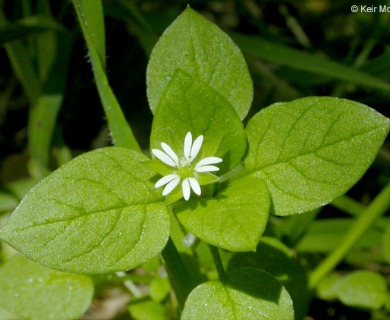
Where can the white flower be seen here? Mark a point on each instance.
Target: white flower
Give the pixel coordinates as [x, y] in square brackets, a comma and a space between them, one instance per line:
[184, 169]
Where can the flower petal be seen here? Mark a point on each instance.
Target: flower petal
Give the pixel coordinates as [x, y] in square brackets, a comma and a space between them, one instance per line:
[208, 160]
[186, 189]
[206, 169]
[195, 185]
[171, 185]
[188, 145]
[162, 156]
[168, 150]
[196, 147]
[166, 179]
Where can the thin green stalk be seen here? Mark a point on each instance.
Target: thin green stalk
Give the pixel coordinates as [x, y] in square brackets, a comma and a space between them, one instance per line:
[121, 132]
[348, 205]
[376, 209]
[179, 276]
[218, 263]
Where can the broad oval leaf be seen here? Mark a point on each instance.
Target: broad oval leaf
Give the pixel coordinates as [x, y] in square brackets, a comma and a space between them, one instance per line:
[32, 291]
[144, 309]
[275, 258]
[311, 150]
[248, 294]
[98, 213]
[191, 105]
[362, 289]
[234, 219]
[199, 48]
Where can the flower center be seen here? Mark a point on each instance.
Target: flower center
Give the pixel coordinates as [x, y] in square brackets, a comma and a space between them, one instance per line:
[186, 169]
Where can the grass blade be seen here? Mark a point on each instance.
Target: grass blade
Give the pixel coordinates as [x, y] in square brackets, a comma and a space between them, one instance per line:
[286, 56]
[121, 131]
[43, 114]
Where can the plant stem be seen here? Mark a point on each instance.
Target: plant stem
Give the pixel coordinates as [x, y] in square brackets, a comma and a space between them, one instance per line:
[179, 277]
[218, 263]
[377, 208]
[121, 132]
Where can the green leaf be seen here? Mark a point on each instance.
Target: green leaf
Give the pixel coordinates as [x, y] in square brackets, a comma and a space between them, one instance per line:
[275, 258]
[326, 288]
[290, 57]
[147, 310]
[325, 235]
[20, 187]
[199, 48]
[234, 219]
[7, 202]
[121, 132]
[191, 105]
[248, 294]
[379, 66]
[159, 288]
[362, 289]
[91, 18]
[22, 64]
[6, 315]
[27, 26]
[43, 115]
[23, 67]
[312, 150]
[34, 292]
[98, 213]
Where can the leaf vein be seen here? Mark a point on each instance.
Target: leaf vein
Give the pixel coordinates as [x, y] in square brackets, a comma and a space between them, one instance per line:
[139, 239]
[318, 148]
[292, 127]
[118, 216]
[128, 172]
[305, 176]
[293, 195]
[48, 222]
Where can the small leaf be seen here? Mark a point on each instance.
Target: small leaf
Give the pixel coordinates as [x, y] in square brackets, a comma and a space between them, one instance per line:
[159, 288]
[362, 289]
[35, 292]
[275, 258]
[98, 213]
[234, 219]
[7, 202]
[326, 288]
[199, 48]
[311, 150]
[248, 294]
[191, 105]
[147, 310]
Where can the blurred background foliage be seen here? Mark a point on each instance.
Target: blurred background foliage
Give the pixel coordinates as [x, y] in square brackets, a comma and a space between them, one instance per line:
[50, 109]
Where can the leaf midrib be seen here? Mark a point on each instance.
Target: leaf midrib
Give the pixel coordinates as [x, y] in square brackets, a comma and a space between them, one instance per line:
[313, 151]
[114, 208]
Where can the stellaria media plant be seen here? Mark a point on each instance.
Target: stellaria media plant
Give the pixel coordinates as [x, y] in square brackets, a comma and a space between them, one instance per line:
[209, 177]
